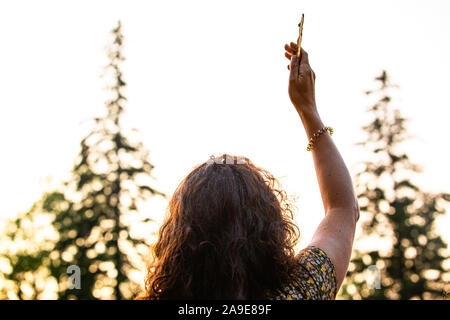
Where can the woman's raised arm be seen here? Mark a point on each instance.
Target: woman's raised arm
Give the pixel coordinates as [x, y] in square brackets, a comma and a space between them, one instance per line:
[336, 231]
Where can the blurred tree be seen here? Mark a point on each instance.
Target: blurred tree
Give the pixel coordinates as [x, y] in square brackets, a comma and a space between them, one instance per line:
[108, 178]
[28, 257]
[404, 251]
[94, 214]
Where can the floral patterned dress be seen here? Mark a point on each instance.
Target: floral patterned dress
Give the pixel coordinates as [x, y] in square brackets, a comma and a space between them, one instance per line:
[315, 278]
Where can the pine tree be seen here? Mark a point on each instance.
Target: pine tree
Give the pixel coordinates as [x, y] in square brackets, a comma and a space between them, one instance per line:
[106, 177]
[94, 213]
[398, 218]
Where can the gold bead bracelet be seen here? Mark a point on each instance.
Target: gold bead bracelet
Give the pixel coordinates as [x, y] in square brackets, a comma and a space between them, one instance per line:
[316, 135]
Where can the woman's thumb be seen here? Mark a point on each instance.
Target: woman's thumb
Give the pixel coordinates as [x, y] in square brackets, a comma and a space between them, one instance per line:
[294, 67]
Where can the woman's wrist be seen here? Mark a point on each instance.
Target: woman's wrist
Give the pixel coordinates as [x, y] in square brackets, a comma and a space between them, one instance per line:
[311, 121]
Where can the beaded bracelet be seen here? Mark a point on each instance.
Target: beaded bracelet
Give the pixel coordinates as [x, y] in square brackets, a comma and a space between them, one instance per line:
[316, 135]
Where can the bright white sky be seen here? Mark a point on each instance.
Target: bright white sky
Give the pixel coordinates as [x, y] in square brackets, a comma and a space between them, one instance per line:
[209, 77]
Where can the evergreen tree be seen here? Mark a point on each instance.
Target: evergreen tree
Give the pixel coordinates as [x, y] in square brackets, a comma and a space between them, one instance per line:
[94, 214]
[106, 177]
[398, 218]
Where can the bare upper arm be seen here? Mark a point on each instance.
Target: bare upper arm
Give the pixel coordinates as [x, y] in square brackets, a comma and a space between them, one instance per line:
[335, 236]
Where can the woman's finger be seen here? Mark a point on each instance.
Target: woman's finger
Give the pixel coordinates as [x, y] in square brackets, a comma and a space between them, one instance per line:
[294, 47]
[288, 55]
[289, 49]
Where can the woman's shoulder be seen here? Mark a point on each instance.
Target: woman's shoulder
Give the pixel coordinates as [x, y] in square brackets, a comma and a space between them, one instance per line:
[313, 278]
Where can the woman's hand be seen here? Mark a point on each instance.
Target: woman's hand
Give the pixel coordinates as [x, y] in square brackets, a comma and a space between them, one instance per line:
[301, 81]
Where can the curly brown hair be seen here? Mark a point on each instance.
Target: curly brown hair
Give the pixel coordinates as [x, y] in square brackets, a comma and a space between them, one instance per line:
[229, 234]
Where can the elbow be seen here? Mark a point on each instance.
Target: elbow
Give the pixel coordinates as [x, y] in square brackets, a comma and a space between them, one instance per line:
[356, 211]
[349, 205]
[349, 211]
